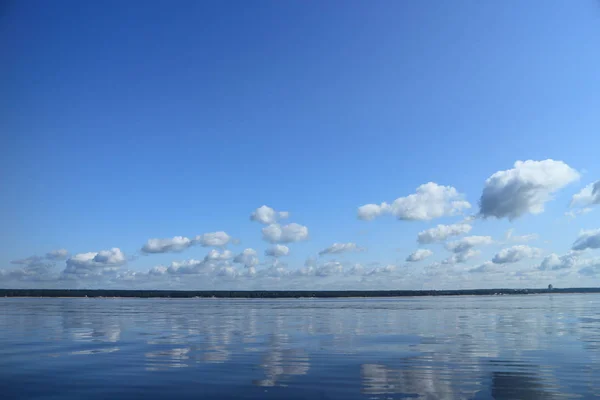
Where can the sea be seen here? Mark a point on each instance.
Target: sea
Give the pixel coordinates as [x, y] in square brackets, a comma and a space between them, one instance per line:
[544, 346]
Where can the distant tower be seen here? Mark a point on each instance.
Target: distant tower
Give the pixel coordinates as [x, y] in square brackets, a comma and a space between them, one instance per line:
[550, 287]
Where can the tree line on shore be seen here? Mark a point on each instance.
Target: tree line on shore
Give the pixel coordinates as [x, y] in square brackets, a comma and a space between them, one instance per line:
[271, 294]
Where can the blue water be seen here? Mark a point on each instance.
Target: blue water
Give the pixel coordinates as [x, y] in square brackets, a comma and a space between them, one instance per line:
[480, 347]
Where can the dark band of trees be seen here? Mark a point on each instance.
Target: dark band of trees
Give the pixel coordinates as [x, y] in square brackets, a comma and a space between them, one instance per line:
[268, 294]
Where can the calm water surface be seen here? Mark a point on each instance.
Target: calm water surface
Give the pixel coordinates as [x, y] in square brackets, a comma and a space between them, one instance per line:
[497, 347]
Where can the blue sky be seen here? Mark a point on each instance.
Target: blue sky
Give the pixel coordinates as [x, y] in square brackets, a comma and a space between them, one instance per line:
[124, 122]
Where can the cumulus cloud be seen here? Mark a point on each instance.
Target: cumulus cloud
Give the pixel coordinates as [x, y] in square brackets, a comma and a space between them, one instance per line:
[277, 250]
[430, 201]
[218, 256]
[511, 237]
[577, 212]
[590, 267]
[589, 239]
[338, 248]
[266, 215]
[159, 270]
[35, 268]
[588, 196]
[419, 255]
[57, 255]
[42, 262]
[209, 264]
[180, 243]
[486, 267]
[463, 248]
[515, 254]
[293, 232]
[466, 243]
[461, 257]
[213, 239]
[555, 262]
[330, 268]
[177, 243]
[524, 188]
[95, 263]
[442, 232]
[386, 269]
[248, 258]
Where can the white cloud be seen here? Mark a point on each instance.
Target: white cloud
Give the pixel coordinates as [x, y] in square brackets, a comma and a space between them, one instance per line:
[419, 255]
[177, 243]
[486, 267]
[588, 196]
[466, 243]
[215, 255]
[180, 243]
[266, 215]
[60, 254]
[555, 262]
[248, 258]
[159, 270]
[590, 267]
[587, 240]
[579, 211]
[329, 268]
[515, 254]
[277, 250]
[525, 188]
[213, 239]
[442, 232]
[191, 266]
[387, 269]
[430, 201]
[338, 248]
[369, 212]
[461, 257]
[95, 263]
[293, 232]
[511, 237]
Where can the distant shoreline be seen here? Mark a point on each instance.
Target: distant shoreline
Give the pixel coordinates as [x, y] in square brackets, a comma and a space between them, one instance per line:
[277, 294]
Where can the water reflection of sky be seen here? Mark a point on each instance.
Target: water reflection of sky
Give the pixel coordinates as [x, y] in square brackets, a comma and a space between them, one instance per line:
[435, 348]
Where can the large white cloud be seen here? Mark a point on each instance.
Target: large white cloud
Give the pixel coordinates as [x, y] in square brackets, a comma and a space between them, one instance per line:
[293, 232]
[555, 262]
[590, 267]
[524, 188]
[338, 248]
[215, 255]
[329, 268]
[248, 258]
[266, 215]
[466, 243]
[588, 196]
[95, 263]
[56, 255]
[486, 267]
[36, 268]
[42, 262]
[177, 243]
[461, 257]
[278, 250]
[589, 239]
[430, 201]
[442, 232]
[180, 243]
[515, 254]
[419, 255]
[213, 239]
